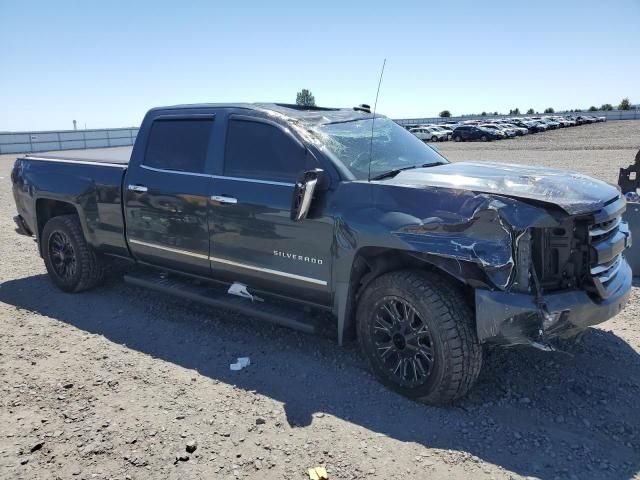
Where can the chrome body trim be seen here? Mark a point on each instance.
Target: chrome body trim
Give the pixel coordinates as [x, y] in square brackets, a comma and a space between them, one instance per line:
[220, 177]
[230, 262]
[170, 249]
[268, 270]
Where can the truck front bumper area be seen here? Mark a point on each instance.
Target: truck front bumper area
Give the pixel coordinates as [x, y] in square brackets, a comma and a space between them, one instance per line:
[511, 318]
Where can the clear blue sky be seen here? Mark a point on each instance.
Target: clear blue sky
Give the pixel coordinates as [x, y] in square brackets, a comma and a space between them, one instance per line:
[104, 63]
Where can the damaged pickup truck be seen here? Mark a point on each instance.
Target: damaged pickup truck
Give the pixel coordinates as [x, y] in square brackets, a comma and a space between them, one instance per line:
[317, 218]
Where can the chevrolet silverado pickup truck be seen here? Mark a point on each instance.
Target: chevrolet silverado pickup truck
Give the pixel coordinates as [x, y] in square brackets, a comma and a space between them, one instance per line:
[338, 219]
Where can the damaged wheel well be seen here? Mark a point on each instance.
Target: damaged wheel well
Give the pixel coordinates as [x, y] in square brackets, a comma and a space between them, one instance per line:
[372, 262]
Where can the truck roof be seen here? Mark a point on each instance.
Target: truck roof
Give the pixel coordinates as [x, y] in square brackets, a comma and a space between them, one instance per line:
[302, 115]
[309, 116]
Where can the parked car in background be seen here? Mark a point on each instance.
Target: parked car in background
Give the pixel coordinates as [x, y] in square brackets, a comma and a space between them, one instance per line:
[502, 132]
[550, 123]
[444, 128]
[535, 127]
[530, 126]
[466, 133]
[430, 134]
[585, 119]
[520, 131]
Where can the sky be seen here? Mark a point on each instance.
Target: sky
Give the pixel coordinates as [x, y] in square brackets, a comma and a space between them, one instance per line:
[105, 63]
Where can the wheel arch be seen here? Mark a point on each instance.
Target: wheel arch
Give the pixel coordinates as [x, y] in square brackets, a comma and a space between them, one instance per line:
[48, 208]
[370, 263]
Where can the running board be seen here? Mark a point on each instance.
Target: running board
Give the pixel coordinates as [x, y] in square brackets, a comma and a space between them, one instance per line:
[291, 316]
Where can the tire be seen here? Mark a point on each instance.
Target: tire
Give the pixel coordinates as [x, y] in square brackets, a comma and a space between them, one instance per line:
[484, 138]
[456, 138]
[441, 327]
[434, 139]
[71, 263]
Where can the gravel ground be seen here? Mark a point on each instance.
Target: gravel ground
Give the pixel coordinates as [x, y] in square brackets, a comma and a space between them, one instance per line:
[121, 382]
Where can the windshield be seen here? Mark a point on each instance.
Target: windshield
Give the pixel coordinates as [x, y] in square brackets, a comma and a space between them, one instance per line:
[393, 147]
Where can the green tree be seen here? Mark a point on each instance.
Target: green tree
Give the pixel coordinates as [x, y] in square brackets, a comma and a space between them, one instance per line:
[495, 113]
[607, 107]
[578, 110]
[549, 110]
[305, 98]
[592, 109]
[445, 114]
[483, 114]
[625, 104]
[530, 111]
[515, 111]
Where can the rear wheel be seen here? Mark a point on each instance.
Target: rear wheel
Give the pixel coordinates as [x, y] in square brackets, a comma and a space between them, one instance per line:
[417, 333]
[434, 139]
[71, 263]
[484, 138]
[456, 138]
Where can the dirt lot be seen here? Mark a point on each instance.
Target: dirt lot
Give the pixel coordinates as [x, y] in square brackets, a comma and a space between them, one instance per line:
[115, 383]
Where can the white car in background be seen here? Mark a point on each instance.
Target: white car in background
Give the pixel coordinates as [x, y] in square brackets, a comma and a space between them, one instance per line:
[430, 134]
[520, 131]
[445, 128]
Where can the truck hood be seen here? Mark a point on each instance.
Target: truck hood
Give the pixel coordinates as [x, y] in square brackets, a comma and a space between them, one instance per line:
[573, 192]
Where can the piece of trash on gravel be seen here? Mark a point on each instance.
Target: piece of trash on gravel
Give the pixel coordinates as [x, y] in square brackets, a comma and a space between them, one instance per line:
[242, 362]
[318, 473]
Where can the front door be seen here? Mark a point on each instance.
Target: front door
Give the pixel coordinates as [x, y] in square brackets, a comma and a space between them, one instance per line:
[253, 239]
[166, 198]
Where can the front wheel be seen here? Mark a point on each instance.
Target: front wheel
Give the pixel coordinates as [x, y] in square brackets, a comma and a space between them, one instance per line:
[456, 138]
[417, 333]
[71, 263]
[484, 138]
[434, 139]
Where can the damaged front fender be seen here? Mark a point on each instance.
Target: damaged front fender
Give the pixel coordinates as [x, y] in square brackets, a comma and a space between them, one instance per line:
[478, 229]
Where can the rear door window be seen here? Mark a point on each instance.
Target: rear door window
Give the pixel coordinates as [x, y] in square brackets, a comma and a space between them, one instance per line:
[179, 144]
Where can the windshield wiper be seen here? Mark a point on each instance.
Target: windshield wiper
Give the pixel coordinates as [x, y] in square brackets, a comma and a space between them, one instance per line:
[396, 171]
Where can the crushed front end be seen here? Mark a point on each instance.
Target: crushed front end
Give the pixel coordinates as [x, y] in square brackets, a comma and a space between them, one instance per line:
[567, 277]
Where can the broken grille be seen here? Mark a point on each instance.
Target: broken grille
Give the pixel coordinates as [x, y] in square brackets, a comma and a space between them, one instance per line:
[608, 237]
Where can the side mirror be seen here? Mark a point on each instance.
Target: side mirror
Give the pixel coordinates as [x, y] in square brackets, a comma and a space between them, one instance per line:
[303, 193]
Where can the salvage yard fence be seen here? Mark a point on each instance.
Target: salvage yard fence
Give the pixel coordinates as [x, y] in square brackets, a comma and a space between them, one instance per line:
[27, 142]
[611, 115]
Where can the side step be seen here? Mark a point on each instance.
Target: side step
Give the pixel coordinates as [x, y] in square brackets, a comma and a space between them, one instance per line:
[287, 315]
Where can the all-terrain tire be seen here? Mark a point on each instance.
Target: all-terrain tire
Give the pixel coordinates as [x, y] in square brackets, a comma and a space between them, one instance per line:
[444, 311]
[84, 269]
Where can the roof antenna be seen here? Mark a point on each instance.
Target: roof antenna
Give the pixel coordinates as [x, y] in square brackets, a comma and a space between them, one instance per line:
[373, 120]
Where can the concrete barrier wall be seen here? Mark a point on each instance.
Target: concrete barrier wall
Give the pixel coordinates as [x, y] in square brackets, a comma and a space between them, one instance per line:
[26, 142]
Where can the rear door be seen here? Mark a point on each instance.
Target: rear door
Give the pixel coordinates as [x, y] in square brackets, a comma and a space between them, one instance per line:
[167, 191]
[253, 239]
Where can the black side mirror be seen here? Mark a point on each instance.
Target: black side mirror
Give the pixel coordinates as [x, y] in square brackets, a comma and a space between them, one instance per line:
[303, 193]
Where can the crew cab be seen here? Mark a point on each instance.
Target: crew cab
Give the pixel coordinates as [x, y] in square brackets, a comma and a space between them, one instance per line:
[336, 220]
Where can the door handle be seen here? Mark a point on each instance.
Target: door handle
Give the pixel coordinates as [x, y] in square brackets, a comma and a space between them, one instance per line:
[138, 188]
[224, 199]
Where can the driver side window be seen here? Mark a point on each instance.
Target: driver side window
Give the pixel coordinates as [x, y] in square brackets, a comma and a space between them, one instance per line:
[260, 151]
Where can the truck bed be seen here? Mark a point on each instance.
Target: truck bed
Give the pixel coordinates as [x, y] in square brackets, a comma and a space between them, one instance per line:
[113, 155]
